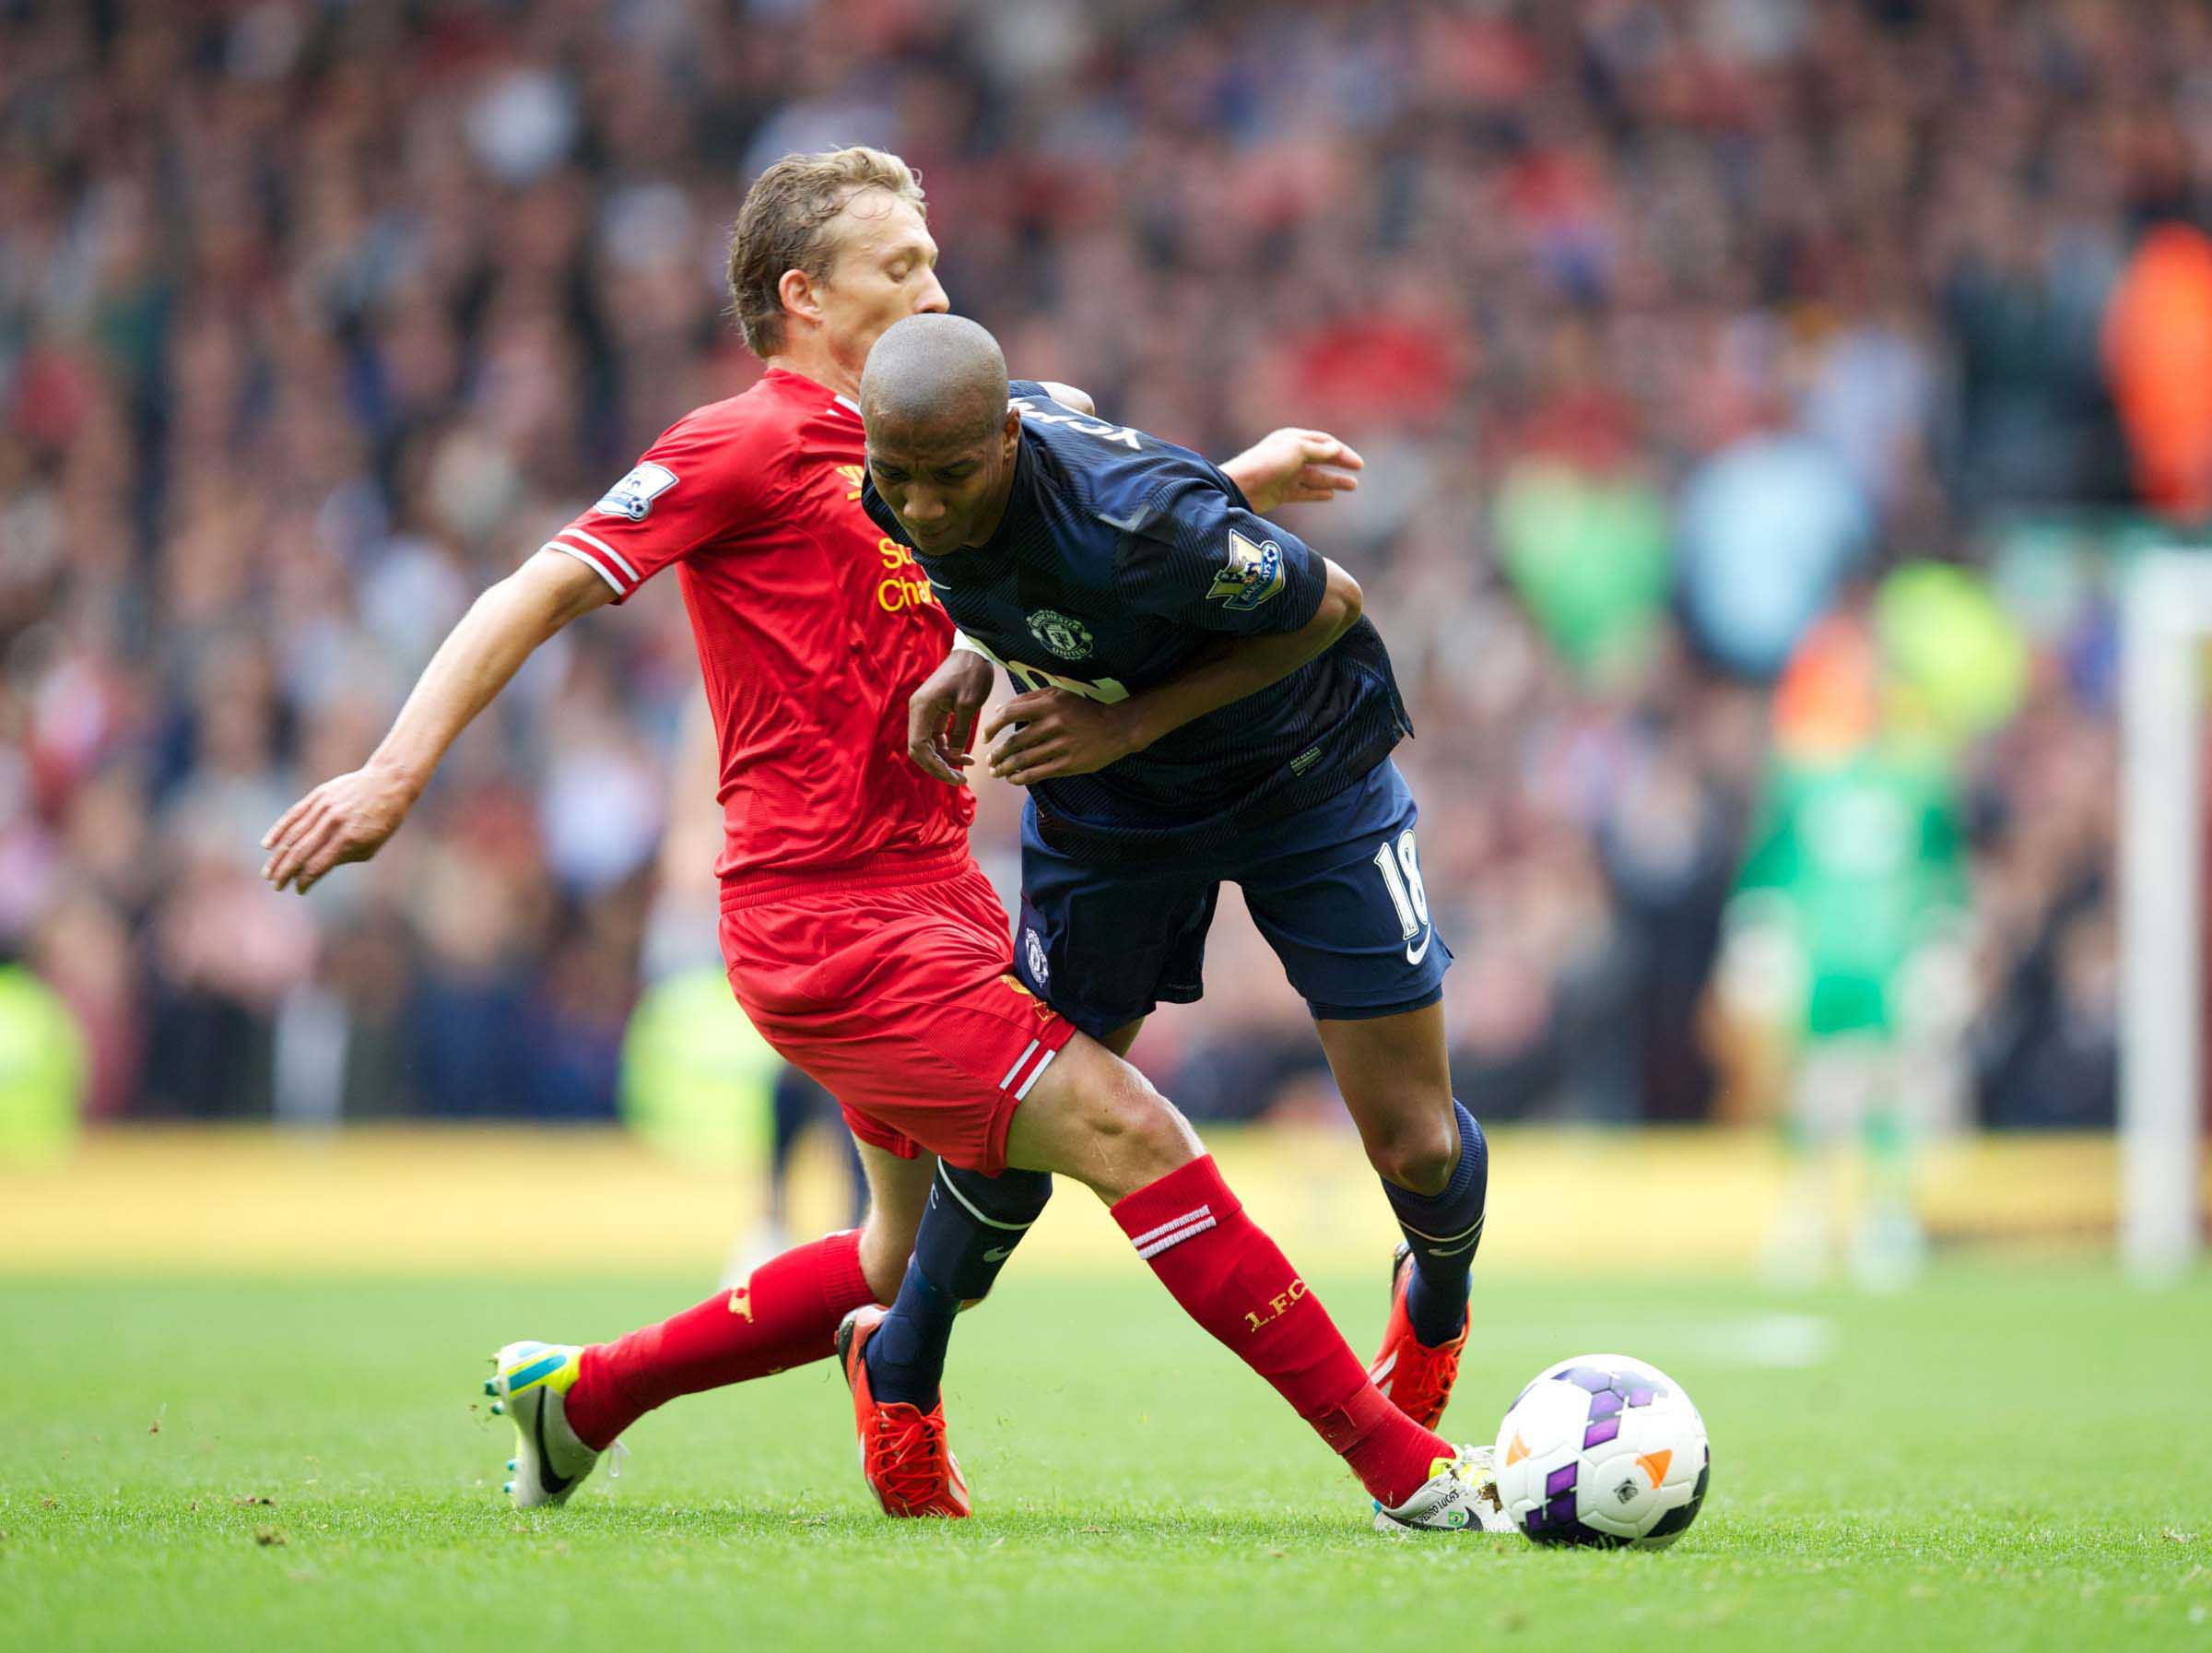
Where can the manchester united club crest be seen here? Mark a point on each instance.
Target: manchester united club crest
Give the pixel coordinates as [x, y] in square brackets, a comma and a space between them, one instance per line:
[1066, 637]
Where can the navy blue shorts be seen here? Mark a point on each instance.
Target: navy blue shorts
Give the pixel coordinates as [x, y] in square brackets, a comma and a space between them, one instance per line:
[1335, 888]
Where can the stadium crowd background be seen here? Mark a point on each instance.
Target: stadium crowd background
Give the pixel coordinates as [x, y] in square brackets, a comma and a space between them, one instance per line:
[1665, 325]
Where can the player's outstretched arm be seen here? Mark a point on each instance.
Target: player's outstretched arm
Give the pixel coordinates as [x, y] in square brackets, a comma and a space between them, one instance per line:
[349, 817]
[1294, 467]
[1062, 734]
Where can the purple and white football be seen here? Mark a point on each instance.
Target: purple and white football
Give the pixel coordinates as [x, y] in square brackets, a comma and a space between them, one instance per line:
[1602, 1451]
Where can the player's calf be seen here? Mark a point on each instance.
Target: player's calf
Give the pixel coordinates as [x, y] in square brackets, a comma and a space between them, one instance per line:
[1095, 1118]
[1418, 1362]
[969, 1230]
[785, 1314]
[1443, 1230]
[1395, 1072]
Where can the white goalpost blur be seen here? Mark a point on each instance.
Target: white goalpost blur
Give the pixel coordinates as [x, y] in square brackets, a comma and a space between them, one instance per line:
[2166, 619]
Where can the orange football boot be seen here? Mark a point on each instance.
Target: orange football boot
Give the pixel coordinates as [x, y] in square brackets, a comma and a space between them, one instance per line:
[1418, 1378]
[902, 1451]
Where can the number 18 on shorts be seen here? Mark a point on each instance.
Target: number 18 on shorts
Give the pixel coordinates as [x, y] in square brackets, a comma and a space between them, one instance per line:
[1335, 888]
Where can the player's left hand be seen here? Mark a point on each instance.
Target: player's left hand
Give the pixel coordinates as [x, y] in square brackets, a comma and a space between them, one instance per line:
[345, 820]
[1294, 467]
[1060, 734]
[940, 715]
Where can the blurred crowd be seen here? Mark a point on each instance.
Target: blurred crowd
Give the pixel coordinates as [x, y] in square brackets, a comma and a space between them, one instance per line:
[1664, 326]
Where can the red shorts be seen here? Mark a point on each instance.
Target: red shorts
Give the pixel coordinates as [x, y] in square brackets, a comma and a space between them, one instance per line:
[895, 991]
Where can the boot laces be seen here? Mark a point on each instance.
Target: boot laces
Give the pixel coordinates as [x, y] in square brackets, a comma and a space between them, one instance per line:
[1421, 1390]
[908, 1456]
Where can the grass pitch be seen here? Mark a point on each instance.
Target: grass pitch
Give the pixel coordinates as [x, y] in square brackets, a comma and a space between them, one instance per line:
[2005, 1458]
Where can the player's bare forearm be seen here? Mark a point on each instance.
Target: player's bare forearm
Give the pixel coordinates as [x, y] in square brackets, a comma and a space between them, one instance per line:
[1062, 734]
[1293, 467]
[1238, 667]
[503, 628]
[350, 817]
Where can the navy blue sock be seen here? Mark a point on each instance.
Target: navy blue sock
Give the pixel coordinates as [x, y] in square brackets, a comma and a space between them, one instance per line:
[906, 1356]
[1443, 1230]
[969, 1230]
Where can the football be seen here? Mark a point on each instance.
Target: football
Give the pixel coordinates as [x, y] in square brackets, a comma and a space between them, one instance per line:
[1602, 1451]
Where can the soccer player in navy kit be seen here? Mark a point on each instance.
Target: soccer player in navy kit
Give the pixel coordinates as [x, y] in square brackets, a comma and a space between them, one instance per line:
[1201, 701]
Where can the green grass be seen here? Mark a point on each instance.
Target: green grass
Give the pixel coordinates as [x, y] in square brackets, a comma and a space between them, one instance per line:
[2007, 1458]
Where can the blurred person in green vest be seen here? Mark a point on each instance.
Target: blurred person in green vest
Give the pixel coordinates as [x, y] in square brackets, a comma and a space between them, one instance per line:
[45, 1069]
[1847, 934]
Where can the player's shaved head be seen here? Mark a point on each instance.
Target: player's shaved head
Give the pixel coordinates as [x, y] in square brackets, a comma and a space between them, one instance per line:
[942, 437]
[935, 379]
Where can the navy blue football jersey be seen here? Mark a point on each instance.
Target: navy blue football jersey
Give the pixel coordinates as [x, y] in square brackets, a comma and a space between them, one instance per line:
[1119, 559]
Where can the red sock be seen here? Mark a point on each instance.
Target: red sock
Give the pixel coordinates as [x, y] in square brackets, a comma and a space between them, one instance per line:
[786, 1315]
[1230, 1278]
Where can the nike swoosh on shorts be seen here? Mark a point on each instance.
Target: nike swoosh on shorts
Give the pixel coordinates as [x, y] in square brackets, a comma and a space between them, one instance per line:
[1414, 955]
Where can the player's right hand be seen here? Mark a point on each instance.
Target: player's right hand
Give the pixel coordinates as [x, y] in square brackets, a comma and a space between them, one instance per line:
[1294, 467]
[940, 715]
[346, 819]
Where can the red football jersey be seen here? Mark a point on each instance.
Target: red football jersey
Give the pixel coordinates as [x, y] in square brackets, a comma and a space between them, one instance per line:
[813, 627]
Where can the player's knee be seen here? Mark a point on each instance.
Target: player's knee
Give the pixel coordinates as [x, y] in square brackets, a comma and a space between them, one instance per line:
[1420, 1153]
[1140, 1135]
[1098, 1120]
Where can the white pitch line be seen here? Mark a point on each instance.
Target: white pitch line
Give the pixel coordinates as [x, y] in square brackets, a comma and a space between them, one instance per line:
[1772, 1342]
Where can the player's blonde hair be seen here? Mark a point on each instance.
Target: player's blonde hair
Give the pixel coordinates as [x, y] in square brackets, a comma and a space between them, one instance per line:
[780, 227]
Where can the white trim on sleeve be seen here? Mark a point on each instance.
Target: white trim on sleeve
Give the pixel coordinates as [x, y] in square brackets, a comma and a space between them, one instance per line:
[594, 539]
[589, 561]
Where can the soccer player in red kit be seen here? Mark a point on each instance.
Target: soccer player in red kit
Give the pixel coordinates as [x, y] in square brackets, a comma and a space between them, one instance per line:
[860, 936]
